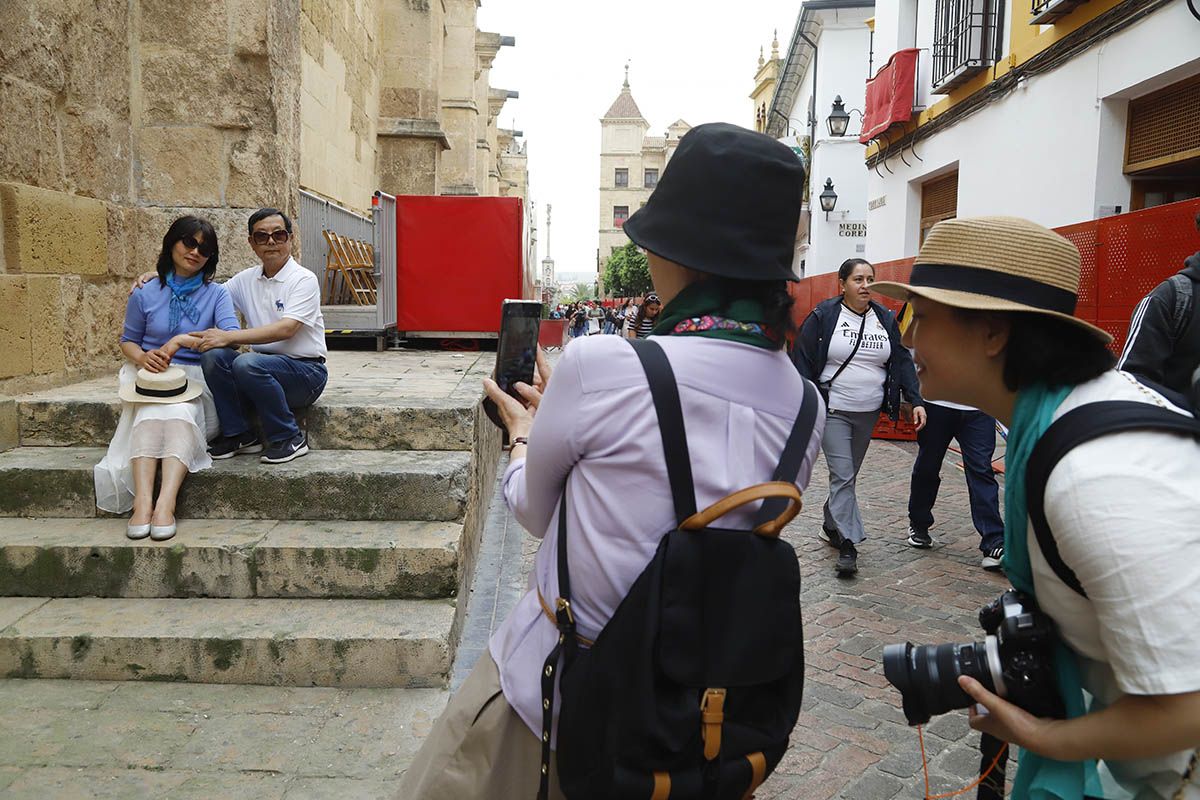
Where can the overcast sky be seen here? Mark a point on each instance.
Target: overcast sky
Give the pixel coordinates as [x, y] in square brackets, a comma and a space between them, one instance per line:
[693, 60]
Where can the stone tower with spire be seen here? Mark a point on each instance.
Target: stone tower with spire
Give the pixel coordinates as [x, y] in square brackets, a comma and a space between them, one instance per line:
[765, 80]
[630, 164]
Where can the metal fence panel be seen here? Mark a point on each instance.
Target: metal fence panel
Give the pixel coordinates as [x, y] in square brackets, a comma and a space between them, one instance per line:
[318, 215]
[383, 213]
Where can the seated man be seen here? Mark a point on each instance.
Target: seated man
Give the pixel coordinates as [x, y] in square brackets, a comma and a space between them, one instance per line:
[280, 302]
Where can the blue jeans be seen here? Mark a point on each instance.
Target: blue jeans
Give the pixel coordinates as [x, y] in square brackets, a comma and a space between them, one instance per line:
[271, 385]
[976, 435]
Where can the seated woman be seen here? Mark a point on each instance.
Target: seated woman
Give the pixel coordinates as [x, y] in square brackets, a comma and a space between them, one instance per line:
[155, 428]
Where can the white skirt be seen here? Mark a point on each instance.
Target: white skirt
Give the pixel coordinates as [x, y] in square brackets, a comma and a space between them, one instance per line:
[155, 430]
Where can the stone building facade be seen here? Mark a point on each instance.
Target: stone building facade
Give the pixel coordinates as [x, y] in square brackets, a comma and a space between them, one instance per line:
[630, 165]
[114, 120]
[765, 80]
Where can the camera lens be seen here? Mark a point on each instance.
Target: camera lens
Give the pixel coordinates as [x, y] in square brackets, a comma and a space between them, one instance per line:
[927, 675]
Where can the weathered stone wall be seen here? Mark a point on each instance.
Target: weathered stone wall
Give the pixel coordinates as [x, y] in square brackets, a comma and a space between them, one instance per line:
[339, 99]
[115, 118]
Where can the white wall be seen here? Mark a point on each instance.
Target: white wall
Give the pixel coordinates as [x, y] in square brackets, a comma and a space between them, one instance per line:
[1051, 150]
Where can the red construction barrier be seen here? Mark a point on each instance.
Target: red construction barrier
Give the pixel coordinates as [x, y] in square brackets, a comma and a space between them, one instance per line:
[552, 332]
[1121, 259]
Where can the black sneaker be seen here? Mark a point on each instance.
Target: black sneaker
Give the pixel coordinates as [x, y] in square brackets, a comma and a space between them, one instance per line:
[832, 537]
[230, 446]
[918, 538]
[285, 451]
[847, 563]
[993, 559]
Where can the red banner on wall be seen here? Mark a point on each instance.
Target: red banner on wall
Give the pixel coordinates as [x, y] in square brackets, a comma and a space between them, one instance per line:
[890, 94]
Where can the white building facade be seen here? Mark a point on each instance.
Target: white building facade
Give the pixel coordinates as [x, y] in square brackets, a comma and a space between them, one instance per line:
[1059, 111]
[829, 53]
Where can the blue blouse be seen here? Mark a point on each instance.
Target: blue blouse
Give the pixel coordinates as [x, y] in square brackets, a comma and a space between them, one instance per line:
[147, 316]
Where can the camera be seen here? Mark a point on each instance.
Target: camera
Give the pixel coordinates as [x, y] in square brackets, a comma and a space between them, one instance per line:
[1015, 661]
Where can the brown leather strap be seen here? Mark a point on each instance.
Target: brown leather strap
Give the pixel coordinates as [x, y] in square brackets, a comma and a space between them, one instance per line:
[712, 714]
[662, 786]
[758, 773]
[702, 519]
[549, 612]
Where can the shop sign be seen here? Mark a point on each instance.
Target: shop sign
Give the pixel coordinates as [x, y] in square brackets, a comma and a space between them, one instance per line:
[852, 230]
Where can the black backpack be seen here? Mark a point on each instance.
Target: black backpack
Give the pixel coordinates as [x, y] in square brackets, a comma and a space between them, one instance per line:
[694, 685]
[1079, 425]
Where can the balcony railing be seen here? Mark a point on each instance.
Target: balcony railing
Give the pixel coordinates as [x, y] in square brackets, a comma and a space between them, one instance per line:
[1045, 12]
[963, 41]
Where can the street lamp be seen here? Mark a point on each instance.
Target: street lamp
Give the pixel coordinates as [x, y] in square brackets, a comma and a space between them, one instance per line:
[838, 119]
[828, 197]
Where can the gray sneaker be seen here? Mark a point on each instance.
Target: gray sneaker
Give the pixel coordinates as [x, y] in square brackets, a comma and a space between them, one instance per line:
[847, 563]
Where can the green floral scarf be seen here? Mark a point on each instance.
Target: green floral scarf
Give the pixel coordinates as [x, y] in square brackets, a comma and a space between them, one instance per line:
[701, 310]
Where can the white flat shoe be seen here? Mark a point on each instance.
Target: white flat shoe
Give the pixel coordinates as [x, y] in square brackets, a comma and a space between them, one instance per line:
[138, 531]
[161, 533]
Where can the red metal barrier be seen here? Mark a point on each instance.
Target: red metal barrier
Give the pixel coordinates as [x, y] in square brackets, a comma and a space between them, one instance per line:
[1121, 259]
[552, 332]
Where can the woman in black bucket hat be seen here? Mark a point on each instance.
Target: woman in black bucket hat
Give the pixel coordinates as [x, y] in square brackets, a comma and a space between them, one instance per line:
[719, 231]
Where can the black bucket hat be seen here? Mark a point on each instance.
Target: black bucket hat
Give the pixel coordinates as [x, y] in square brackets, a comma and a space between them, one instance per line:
[728, 203]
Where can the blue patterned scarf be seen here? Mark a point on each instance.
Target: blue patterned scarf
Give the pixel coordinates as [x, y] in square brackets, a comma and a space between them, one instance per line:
[181, 298]
[1038, 777]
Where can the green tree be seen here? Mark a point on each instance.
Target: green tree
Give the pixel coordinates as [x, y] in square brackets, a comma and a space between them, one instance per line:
[580, 292]
[627, 272]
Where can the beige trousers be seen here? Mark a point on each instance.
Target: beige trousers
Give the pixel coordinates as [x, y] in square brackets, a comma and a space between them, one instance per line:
[478, 748]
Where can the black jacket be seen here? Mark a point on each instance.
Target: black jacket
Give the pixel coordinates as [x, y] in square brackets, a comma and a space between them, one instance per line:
[1152, 350]
[812, 351]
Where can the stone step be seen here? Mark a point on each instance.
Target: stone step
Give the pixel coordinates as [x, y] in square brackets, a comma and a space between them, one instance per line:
[325, 484]
[230, 558]
[399, 423]
[343, 643]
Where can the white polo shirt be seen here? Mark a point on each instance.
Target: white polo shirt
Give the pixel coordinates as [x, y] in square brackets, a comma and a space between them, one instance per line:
[293, 293]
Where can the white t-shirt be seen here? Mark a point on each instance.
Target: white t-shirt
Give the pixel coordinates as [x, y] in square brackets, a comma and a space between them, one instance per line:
[860, 386]
[1123, 510]
[293, 293]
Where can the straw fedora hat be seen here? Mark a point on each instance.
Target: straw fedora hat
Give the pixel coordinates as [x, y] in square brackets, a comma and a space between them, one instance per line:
[996, 264]
[169, 386]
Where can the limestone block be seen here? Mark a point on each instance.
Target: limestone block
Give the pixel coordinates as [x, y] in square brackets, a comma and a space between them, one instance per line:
[248, 27]
[94, 314]
[96, 152]
[311, 40]
[181, 88]
[47, 318]
[29, 133]
[256, 173]
[409, 166]
[96, 53]
[197, 26]
[9, 430]
[181, 166]
[15, 349]
[53, 232]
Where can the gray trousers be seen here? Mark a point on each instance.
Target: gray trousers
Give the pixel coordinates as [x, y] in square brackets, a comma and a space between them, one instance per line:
[847, 435]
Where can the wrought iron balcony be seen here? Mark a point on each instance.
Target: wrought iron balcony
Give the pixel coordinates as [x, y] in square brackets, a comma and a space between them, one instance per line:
[963, 41]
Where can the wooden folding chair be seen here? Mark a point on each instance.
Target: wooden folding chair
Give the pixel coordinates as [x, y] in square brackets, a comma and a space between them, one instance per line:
[365, 264]
[346, 265]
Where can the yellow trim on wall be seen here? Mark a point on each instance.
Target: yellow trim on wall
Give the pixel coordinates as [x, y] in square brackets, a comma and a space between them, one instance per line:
[1025, 42]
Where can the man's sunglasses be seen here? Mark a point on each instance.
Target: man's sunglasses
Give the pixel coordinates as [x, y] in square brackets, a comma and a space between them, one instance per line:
[278, 237]
[190, 243]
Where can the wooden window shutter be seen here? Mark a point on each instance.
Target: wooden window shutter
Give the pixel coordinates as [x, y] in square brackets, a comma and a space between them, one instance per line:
[939, 198]
[1164, 127]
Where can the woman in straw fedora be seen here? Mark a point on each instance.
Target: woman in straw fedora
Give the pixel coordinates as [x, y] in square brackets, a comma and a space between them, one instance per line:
[167, 415]
[992, 302]
[720, 250]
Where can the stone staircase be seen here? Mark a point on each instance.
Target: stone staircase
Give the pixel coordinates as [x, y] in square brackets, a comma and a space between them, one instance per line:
[340, 569]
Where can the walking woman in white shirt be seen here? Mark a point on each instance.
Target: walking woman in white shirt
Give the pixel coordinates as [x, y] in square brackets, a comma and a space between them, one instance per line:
[850, 346]
[720, 249]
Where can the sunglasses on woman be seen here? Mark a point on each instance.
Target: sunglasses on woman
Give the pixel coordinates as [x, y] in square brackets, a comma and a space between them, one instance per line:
[190, 243]
[278, 237]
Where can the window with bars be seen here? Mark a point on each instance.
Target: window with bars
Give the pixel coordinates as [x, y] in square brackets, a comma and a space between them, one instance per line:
[964, 37]
[939, 201]
[651, 178]
[620, 214]
[621, 179]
